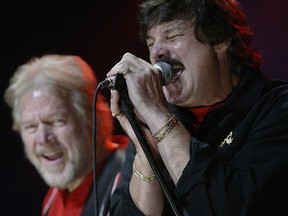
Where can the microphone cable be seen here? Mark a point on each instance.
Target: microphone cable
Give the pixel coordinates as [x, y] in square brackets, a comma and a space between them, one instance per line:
[118, 81]
[94, 146]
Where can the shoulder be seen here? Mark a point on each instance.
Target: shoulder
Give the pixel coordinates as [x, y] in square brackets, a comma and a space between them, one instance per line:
[277, 93]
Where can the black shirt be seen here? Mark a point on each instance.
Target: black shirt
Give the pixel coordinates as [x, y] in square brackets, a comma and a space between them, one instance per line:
[238, 158]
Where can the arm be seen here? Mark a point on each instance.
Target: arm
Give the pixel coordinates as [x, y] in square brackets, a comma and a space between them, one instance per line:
[148, 196]
[210, 182]
[244, 177]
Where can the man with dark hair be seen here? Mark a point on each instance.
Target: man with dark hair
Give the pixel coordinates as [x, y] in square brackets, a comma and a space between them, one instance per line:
[218, 130]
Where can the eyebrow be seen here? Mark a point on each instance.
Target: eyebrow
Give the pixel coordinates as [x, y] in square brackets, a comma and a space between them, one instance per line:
[51, 114]
[167, 31]
[170, 29]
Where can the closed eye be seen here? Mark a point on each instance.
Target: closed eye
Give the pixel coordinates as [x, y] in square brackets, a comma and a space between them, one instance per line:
[173, 37]
[149, 42]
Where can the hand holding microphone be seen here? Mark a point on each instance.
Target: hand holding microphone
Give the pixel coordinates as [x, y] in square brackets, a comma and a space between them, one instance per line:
[164, 68]
[144, 85]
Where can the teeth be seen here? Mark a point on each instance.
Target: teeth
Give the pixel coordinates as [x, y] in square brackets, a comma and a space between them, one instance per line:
[176, 67]
[53, 156]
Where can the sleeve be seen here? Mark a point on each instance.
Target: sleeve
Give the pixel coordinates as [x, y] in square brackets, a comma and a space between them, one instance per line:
[253, 178]
[249, 178]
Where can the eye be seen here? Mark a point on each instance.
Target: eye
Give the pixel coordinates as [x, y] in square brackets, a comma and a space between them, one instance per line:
[149, 45]
[59, 122]
[173, 37]
[149, 42]
[30, 128]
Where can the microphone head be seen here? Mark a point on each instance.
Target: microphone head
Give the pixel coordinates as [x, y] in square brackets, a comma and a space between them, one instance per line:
[166, 71]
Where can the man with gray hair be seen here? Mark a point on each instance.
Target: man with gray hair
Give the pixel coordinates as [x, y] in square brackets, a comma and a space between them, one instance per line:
[51, 98]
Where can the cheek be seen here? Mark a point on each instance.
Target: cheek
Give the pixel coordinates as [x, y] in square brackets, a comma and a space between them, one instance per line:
[72, 132]
[69, 135]
[29, 146]
[28, 141]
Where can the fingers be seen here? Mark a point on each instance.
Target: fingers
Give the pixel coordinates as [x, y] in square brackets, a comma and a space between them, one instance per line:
[115, 109]
[114, 115]
[127, 64]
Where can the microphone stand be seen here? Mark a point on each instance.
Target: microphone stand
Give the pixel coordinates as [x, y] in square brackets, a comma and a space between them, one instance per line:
[127, 108]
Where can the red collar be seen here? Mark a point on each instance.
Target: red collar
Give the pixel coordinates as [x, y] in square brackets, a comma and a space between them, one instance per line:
[200, 113]
[66, 203]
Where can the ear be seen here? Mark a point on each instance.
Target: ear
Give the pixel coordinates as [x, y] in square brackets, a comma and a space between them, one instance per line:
[222, 47]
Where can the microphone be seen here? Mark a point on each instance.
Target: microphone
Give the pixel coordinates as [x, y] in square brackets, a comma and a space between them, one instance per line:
[164, 68]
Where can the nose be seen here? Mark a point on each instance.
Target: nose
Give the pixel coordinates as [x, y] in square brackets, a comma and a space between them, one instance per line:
[158, 51]
[45, 135]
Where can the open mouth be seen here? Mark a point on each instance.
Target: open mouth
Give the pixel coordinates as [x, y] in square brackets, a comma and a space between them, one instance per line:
[53, 156]
[178, 70]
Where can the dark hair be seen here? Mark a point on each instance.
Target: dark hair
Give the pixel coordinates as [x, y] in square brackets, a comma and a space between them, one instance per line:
[215, 21]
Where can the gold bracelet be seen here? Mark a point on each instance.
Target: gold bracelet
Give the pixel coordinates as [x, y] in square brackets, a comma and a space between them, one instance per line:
[165, 129]
[141, 176]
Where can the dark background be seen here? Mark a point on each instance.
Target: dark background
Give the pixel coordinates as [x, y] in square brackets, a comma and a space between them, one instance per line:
[100, 32]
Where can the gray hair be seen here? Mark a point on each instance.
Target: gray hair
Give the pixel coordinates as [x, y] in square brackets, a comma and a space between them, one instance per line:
[67, 76]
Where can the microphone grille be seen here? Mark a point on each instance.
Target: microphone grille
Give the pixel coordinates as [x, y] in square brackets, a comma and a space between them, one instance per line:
[166, 71]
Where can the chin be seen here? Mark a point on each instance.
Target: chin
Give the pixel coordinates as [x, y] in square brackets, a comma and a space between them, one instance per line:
[173, 95]
[174, 99]
[57, 179]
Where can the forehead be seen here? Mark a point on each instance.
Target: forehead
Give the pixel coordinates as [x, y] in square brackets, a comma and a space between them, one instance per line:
[167, 27]
[42, 102]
